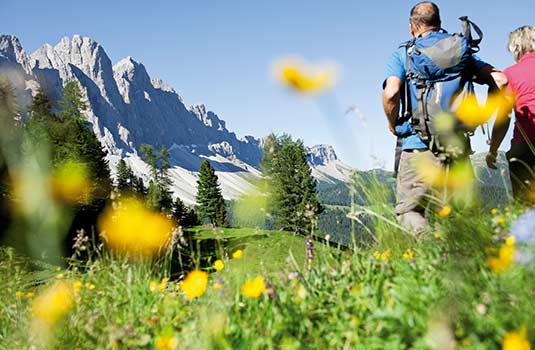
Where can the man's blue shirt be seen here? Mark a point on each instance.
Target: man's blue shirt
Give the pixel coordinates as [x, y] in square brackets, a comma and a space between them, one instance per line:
[396, 67]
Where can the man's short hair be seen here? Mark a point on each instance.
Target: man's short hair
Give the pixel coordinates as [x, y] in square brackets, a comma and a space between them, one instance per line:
[426, 14]
[522, 41]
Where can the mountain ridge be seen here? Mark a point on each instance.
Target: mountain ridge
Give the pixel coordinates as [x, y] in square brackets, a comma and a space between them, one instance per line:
[126, 108]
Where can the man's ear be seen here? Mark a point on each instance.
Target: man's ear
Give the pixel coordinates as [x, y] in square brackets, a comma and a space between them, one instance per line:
[413, 29]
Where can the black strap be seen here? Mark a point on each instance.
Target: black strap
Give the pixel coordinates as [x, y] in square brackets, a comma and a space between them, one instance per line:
[406, 111]
[467, 32]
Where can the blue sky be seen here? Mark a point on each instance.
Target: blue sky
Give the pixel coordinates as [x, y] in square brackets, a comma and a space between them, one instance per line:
[219, 53]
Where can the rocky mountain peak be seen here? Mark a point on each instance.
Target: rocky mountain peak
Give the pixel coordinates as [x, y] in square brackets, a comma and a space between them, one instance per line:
[12, 50]
[321, 154]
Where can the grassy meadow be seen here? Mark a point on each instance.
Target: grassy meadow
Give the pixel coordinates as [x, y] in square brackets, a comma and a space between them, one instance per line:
[439, 292]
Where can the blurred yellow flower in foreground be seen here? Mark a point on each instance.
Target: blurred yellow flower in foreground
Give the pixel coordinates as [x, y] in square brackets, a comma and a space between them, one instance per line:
[516, 340]
[70, 182]
[166, 342]
[194, 285]
[217, 286]
[52, 304]
[503, 260]
[237, 254]
[473, 114]
[457, 178]
[134, 229]
[19, 294]
[305, 78]
[253, 288]
[218, 265]
[29, 295]
[445, 211]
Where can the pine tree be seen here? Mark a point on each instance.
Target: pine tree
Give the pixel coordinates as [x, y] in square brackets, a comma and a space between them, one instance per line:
[184, 216]
[125, 178]
[41, 107]
[72, 103]
[150, 158]
[210, 203]
[158, 193]
[294, 198]
[139, 186]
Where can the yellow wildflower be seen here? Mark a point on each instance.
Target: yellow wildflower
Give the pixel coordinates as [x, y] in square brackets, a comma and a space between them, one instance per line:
[90, 286]
[300, 291]
[500, 220]
[503, 261]
[194, 285]
[516, 340]
[237, 254]
[166, 342]
[437, 236]
[132, 228]
[77, 285]
[60, 276]
[510, 240]
[304, 78]
[376, 254]
[472, 114]
[218, 265]
[217, 286]
[19, 294]
[445, 211]
[50, 306]
[457, 178]
[494, 211]
[409, 254]
[153, 286]
[162, 286]
[29, 295]
[253, 288]
[385, 255]
[70, 183]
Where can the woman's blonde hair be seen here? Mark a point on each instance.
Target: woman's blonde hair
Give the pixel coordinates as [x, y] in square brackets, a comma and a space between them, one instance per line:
[522, 41]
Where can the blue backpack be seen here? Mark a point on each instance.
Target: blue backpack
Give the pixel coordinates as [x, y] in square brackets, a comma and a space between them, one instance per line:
[439, 68]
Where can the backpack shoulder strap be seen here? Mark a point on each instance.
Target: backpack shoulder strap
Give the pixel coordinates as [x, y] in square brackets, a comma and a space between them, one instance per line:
[468, 25]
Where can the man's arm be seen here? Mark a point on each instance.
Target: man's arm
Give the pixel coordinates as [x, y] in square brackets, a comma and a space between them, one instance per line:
[391, 101]
[496, 81]
[491, 76]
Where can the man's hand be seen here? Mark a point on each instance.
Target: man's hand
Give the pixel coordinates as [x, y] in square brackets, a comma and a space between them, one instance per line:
[491, 160]
[392, 129]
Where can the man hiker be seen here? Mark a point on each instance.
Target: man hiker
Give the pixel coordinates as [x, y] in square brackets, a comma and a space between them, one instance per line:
[424, 76]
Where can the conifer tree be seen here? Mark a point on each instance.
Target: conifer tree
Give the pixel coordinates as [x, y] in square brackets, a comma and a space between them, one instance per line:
[125, 177]
[210, 202]
[41, 107]
[185, 216]
[158, 193]
[294, 198]
[139, 186]
[72, 103]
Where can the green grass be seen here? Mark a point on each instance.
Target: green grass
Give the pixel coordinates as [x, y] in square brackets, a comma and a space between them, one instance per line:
[347, 300]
